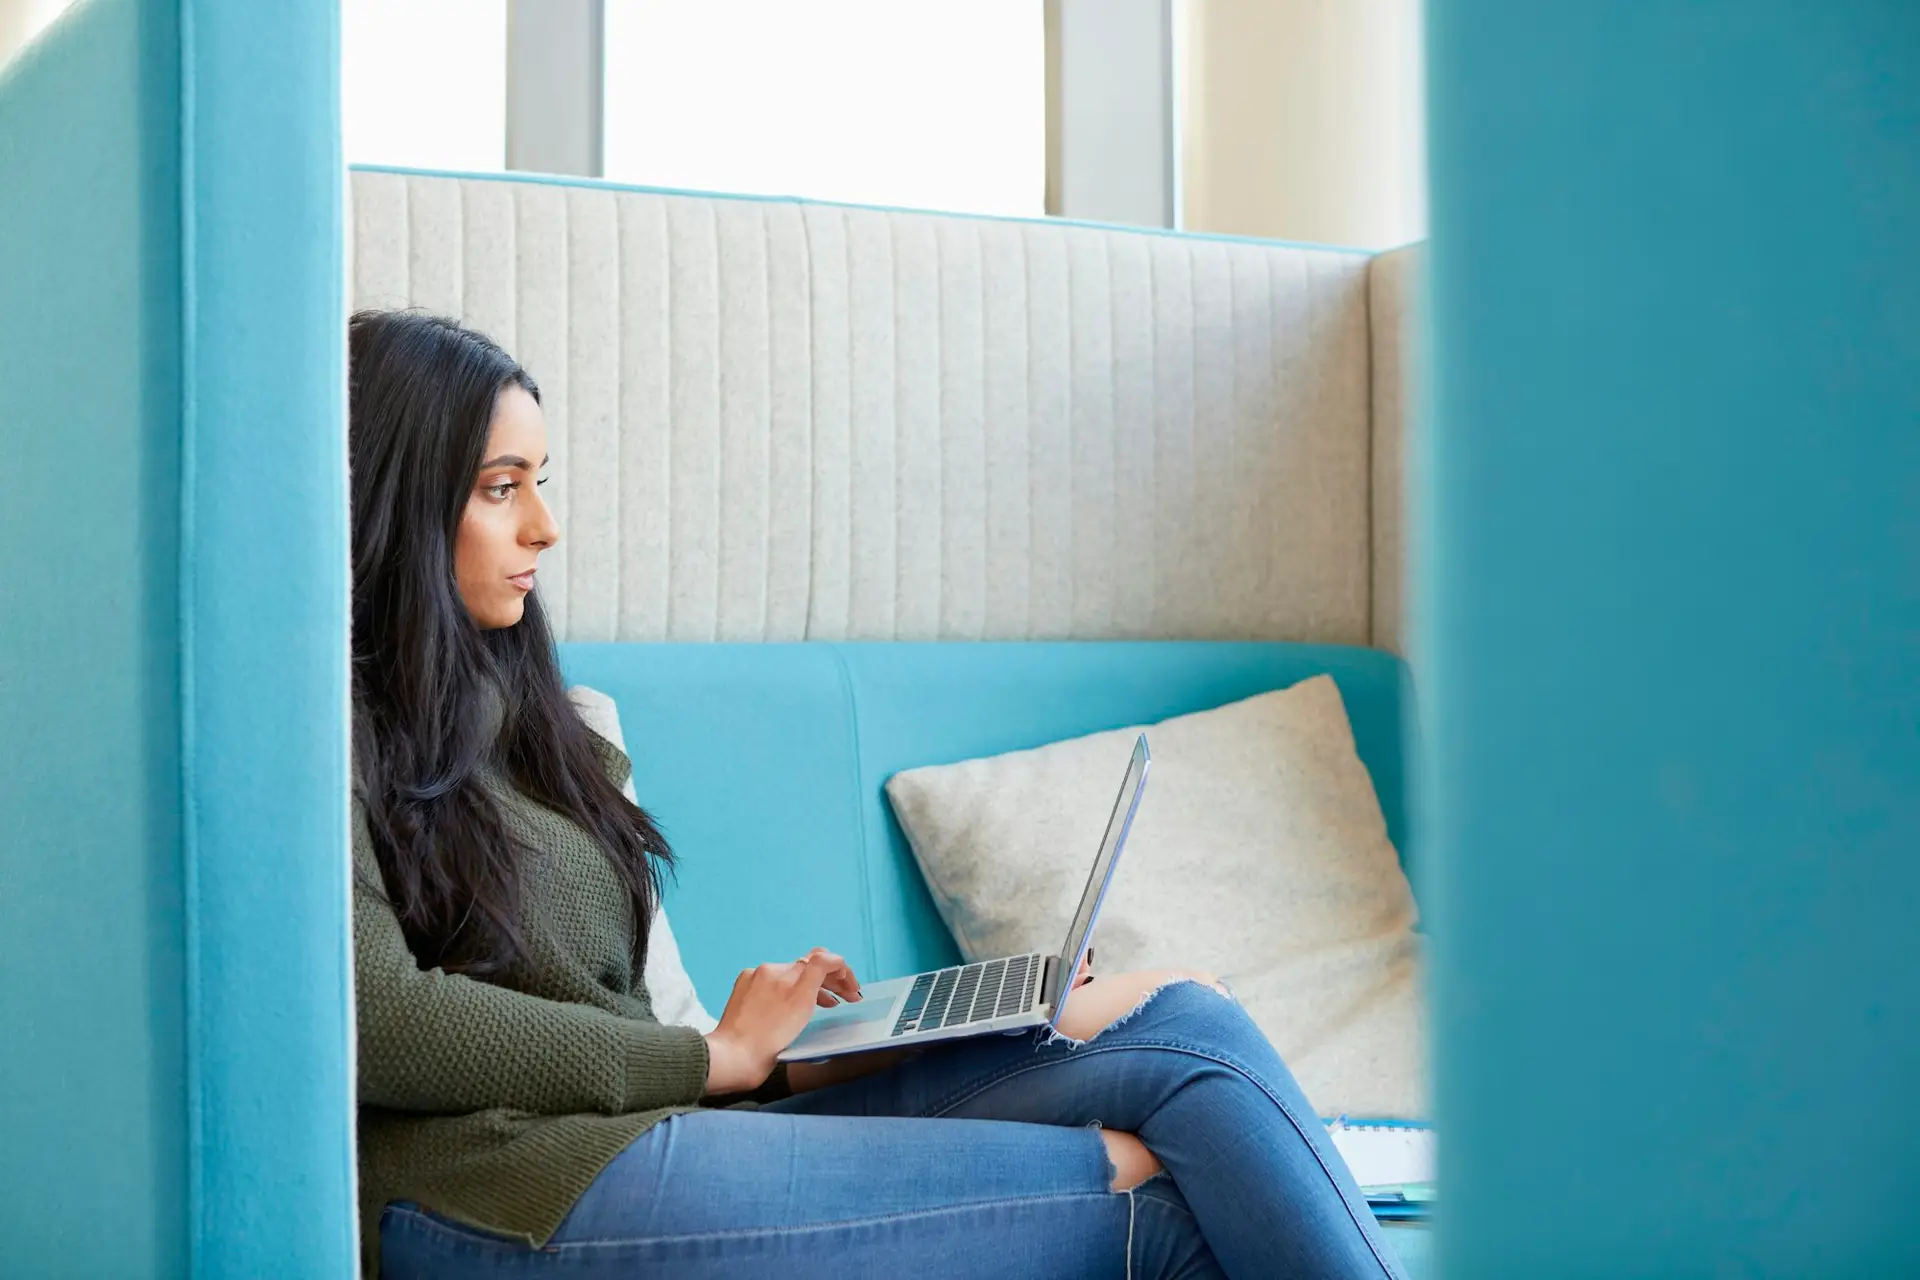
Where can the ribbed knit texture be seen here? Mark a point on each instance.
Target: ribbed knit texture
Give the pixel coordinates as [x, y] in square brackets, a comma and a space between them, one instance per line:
[498, 1105]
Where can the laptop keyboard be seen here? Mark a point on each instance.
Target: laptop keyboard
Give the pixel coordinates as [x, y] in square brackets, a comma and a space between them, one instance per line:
[971, 993]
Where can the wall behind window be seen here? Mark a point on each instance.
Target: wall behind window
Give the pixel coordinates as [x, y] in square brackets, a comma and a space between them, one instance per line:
[22, 20]
[424, 83]
[1304, 120]
[918, 103]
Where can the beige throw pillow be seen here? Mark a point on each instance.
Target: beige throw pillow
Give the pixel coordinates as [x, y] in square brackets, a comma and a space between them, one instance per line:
[669, 988]
[1259, 852]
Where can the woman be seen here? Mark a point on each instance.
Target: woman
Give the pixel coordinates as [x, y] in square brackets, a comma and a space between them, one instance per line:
[521, 1111]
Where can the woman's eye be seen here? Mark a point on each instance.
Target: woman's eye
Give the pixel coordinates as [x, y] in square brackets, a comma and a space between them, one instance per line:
[500, 492]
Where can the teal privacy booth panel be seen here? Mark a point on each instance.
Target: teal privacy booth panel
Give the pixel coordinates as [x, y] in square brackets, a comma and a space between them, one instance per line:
[175, 1080]
[92, 1061]
[1671, 648]
[766, 763]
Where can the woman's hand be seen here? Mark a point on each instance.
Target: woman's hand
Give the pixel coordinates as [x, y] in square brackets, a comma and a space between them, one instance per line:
[767, 1009]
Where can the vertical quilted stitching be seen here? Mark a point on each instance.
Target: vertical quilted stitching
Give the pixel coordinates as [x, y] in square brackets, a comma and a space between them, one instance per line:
[1151, 445]
[1234, 443]
[405, 230]
[1191, 559]
[672, 340]
[941, 558]
[1108, 568]
[813, 422]
[958, 430]
[458, 273]
[831, 389]
[916, 514]
[986, 463]
[698, 459]
[1026, 422]
[766, 427]
[619, 429]
[893, 426]
[813, 429]
[1312, 394]
[513, 275]
[717, 501]
[939, 409]
[1246, 509]
[1273, 532]
[567, 467]
[1111, 429]
[1068, 605]
[1372, 506]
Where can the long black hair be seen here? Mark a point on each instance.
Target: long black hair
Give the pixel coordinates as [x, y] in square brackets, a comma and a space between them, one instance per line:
[436, 697]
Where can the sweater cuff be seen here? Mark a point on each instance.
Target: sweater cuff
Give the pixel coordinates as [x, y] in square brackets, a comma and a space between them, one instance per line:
[666, 1066]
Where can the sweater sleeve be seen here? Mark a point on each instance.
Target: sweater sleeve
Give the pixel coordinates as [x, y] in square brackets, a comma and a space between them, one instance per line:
[442, 1042]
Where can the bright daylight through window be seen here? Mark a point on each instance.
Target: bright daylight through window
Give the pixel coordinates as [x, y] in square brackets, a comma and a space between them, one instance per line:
[916, 103]
[424, 83]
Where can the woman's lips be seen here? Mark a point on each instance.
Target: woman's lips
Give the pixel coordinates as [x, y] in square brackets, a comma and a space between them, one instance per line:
[524, 581]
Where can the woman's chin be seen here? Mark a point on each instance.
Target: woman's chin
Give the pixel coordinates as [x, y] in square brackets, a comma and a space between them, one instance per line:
[505, 614]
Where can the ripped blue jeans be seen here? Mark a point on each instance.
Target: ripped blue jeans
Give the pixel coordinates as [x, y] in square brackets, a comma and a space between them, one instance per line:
[978, 1158]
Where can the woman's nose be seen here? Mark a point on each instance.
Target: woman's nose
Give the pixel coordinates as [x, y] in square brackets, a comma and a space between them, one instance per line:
[541, 529]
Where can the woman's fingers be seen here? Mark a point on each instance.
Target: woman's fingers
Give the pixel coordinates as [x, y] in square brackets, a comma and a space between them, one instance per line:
[841, 982]
[837, 981]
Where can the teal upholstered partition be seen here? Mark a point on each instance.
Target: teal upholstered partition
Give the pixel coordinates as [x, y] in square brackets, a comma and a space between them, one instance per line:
[1671, 656]
[766, 765]
[174, 1072]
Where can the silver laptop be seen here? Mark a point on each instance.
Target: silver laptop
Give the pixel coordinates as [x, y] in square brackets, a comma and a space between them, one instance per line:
[1004, 995]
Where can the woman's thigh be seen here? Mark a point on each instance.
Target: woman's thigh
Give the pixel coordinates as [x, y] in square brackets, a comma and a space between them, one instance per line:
[742, 1193]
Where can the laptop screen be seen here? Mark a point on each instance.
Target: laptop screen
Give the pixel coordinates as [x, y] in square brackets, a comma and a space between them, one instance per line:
[1118, 824]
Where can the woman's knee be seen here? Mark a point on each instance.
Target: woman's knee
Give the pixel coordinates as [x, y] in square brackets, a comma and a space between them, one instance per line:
[1107, 1000]
[1132, 1163]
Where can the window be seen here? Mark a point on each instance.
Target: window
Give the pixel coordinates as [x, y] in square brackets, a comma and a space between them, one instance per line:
[916, 103]
[424, 83]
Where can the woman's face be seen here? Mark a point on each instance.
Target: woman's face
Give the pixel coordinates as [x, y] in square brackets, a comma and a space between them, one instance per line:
[505, 526]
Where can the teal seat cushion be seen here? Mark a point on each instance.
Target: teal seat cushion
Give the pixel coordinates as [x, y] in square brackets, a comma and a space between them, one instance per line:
[765, 764]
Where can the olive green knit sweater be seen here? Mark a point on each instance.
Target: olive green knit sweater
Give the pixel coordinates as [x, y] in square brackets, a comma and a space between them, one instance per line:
[498, 1105]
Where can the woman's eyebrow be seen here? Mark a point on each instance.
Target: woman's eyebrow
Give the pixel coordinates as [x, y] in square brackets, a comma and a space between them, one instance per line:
[512, 460]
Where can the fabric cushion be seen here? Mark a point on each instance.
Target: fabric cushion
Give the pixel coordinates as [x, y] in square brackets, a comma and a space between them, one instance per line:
[1259, 852]
[671, 990]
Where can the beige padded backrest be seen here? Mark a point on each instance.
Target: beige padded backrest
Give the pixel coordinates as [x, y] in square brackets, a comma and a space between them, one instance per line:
[1394, 280]
[778, 420]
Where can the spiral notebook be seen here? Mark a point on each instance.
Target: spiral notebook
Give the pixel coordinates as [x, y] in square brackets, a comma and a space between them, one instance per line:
[1385, 1154]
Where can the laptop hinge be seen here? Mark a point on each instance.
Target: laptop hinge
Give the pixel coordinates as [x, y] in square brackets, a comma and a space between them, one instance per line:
[1047, 972]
